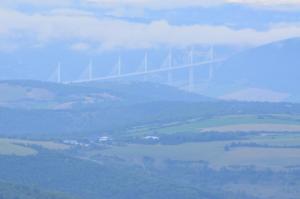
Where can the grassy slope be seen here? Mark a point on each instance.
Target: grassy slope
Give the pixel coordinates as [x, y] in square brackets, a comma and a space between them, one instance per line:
[23, 147]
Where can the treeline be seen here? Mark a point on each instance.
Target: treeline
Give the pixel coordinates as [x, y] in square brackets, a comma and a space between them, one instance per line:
[258, 145]
[187, 137]
[89, 180]
[12, 191]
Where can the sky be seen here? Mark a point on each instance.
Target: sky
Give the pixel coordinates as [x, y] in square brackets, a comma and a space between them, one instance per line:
[105, 25]
[37, 36]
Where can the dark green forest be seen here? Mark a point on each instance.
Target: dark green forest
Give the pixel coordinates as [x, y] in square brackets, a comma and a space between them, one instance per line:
[12, 191]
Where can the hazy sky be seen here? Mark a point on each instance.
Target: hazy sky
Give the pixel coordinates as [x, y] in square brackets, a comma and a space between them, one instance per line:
[131, 24]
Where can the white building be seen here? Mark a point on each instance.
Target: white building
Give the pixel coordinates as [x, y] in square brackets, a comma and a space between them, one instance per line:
[104, 139]
[151, 138]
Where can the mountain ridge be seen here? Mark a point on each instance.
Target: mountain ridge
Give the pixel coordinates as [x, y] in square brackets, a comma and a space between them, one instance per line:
[272, 67]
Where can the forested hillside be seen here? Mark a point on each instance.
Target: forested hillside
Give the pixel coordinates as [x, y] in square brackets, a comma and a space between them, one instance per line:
[11, 191]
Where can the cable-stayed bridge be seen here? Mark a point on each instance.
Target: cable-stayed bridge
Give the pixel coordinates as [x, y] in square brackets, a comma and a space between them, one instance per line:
[168, 67]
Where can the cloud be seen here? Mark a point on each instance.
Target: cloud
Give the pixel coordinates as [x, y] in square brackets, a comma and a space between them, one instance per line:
[70, 12]
[145, 4]
[154, 4]
[107, 33]
[6, 46]
[267, 2]
[16, 3]
[80, 46]
[171, 4]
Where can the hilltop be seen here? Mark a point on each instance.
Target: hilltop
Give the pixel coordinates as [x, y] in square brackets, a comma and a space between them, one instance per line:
[265, 73]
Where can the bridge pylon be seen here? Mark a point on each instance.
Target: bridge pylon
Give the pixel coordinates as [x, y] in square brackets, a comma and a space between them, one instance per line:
[170, 65]
[90, 76]
[145, 66]
[191, 71]
[58, 73]
[119, 66]
[211, 65]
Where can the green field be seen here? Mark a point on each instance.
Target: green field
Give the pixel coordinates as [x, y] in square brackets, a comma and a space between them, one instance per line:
[24, 147]
[200, 125]
[263, 127]
[287, 128]
[214, 152]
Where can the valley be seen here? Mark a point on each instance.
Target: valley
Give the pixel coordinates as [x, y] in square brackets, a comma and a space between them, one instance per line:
[126, 145]
[148, 99]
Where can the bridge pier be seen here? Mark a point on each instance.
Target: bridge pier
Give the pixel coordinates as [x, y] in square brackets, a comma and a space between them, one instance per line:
[191, 80]
[211, 66]
[91, 70]
[145, 66]
[191, 72]
[119, 66]
[167, 69]
[58, 73]
[170, 72]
